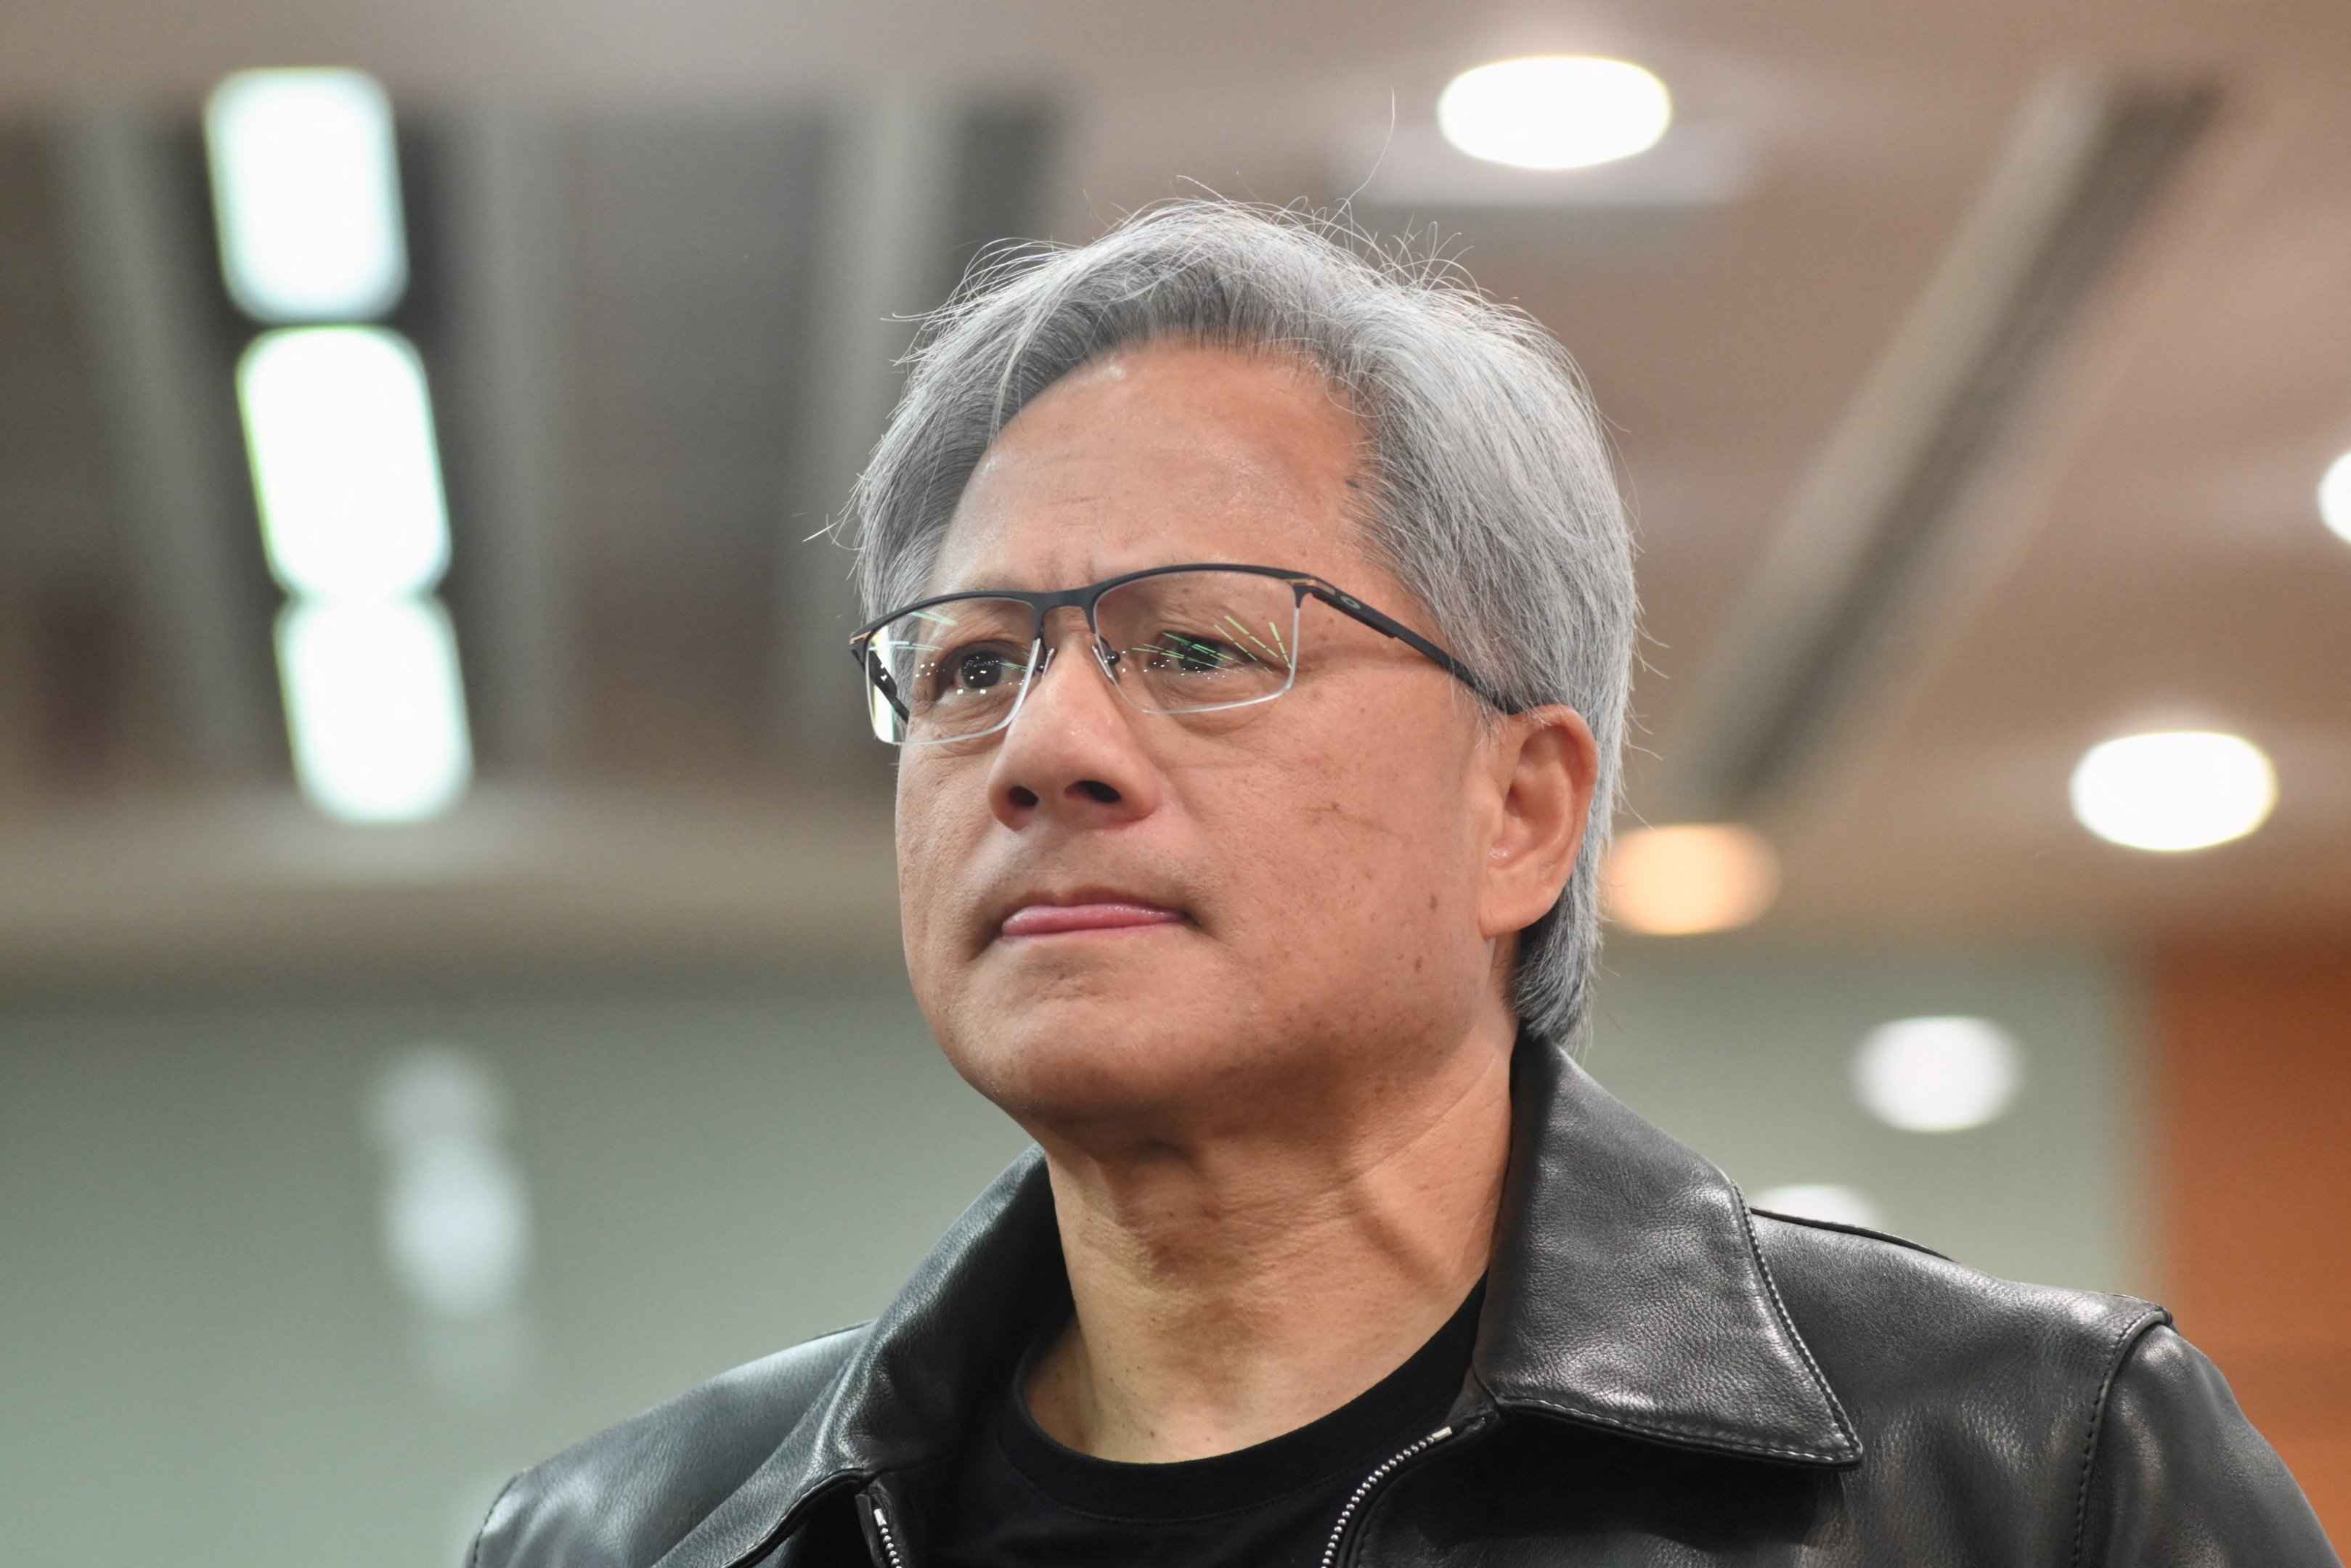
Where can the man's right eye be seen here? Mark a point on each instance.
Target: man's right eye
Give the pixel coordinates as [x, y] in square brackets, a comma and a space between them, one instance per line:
[972, 672]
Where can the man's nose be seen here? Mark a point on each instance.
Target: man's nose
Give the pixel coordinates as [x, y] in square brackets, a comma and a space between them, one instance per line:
[1072, 648]
[1071, 754]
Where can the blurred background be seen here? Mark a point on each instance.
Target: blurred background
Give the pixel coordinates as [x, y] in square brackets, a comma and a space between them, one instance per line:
[449, 986]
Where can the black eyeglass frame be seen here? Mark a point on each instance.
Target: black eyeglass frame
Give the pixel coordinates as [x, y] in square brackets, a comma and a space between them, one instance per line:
[1301, 583]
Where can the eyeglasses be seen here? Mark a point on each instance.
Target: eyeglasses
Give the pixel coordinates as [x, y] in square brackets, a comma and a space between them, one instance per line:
[1172, 638]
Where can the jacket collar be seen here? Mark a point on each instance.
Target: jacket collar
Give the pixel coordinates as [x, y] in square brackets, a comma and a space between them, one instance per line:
[1626, 1292]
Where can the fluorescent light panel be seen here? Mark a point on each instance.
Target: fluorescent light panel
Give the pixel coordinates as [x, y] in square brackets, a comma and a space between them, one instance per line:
[339, 425]
[306, 186]
[375, 708]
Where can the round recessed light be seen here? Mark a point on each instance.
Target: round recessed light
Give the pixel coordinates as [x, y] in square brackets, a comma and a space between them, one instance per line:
[2335, 498]
[1936, 1075]
[1832, 1201]
[1554, 111]
[1695, 876]
[2172, 790]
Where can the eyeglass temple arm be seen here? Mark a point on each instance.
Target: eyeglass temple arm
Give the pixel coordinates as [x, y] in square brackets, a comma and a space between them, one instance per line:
[1347, 604]
[860, 648]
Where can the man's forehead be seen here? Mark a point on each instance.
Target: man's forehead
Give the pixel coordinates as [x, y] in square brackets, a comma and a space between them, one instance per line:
[1046, 547]
[1160, 453]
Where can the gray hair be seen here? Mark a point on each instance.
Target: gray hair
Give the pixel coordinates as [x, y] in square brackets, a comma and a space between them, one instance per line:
[1492, 491]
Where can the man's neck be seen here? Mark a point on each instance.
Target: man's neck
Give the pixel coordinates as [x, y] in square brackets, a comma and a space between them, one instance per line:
[1232, 1289]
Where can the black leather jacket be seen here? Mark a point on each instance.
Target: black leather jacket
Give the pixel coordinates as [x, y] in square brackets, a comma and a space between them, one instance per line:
[1662, 1375]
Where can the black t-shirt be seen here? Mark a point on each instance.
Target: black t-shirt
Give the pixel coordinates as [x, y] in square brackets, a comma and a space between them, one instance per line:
[1020, 1499]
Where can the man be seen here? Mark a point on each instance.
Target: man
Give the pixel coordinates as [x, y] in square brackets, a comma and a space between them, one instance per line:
[1254, 621]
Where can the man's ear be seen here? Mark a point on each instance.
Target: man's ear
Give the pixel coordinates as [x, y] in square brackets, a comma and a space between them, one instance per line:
[1545, 767]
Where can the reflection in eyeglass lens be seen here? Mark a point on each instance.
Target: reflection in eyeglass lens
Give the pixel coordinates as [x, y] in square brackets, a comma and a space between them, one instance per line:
[1191, 642]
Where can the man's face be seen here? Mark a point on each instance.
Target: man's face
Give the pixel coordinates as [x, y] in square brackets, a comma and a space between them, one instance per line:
[1308, 879]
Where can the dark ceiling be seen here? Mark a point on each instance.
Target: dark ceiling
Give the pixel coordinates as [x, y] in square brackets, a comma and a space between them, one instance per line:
[656, 251]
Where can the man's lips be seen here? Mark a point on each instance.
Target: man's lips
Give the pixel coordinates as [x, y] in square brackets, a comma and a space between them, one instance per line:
[1105, 914]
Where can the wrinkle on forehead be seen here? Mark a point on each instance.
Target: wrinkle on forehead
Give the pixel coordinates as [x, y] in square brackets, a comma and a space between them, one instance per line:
[1170, 451]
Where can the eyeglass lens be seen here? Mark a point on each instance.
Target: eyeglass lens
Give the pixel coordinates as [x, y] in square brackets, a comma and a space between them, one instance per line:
[1173, 642]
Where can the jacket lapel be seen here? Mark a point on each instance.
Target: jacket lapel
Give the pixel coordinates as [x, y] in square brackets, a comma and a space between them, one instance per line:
[1626, 1290]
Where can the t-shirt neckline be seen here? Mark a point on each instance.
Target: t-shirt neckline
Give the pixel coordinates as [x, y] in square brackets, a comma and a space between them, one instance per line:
[1359, 1434]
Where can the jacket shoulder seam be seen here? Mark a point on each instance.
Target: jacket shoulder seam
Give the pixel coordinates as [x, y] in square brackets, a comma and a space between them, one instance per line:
[2125, 1340]
[1841, 1229]
[474, 1547]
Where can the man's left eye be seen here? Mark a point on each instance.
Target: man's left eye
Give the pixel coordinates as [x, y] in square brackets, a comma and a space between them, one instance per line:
[1193, 655]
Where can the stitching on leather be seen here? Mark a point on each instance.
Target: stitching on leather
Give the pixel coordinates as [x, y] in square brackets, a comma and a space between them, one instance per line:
[2125, 1342]
[1713, 1439]
[1771, 1288]
[474, 1547]
[1839, 1228]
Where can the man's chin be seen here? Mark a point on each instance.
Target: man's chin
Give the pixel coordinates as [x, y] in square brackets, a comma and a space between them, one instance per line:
[1058, 1059]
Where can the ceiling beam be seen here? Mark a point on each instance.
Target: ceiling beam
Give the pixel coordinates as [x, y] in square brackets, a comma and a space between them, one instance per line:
[512, 242]
[138, 268]
[885, 202]
[1910, 506]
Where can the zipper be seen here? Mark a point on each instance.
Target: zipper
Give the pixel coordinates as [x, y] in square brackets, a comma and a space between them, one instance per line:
[886, 1538]
[882, 1533]
[1372, 1483]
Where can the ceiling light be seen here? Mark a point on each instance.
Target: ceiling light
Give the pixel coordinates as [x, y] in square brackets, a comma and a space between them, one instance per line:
[2334, 496]
[2184, 790]
[1936, 1075]
[375, 708]
[1837, 1203]
[339, 428]
[305, 190]
[1559, 111]
[1698, 876]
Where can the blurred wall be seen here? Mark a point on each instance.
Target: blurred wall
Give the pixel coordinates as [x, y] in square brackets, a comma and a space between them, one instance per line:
[1745, 1050]
[2254, 1047]
[205, 1360]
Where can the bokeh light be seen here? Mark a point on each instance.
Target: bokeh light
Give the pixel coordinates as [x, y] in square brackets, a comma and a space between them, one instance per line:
[1689, 878]
[2174, 789]
[1936, 1075]
[2335, 498]
[1560, 111]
